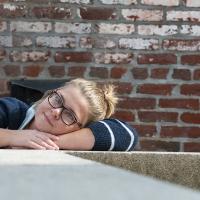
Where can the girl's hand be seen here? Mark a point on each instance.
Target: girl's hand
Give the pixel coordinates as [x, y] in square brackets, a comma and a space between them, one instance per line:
[34, 139]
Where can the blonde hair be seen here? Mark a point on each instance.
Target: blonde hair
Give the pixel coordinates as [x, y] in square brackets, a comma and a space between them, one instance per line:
[102, 99]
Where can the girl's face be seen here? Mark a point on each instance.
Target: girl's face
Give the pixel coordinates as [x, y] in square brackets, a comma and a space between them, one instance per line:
[54, 120]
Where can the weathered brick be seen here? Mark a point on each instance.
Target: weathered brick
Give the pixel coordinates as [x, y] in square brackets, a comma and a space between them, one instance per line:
[99, 72]
[154, 116]
[159, 73]
[162, 30]
[161, 59]
[32, 70]
[158, 89]
[10, 10]
[3, 85]
[191, 16]
[123, 87]
[113, 58]
[12, 70]
[196, 75]
[138, 43]
[190, 89]
[6, 41]
[179, 103]
[56, 42]
[3, 26]
[139, 73]
[161, 2]
[33, 56]
[2, 54]
[51, 12]
[123, 2]
[76, 1]
[128, 116]
[76, 71]
[183, 74]
[137, 103]
[118, 72]
[61, 27]
[56, 71]
[73, 57]
[22, 41]
[122, 29]
[97, 42]
[192, 3]
[192, 147]
[37, 27]
[181, 45]
[190, 30]
[142, 15]
[193, 118]
[190, 59]
[145, 130]
[96, 13]
[175, 131]
[152, 145]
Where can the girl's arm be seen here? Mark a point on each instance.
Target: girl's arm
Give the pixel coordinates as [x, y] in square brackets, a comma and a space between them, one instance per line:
[105, 135]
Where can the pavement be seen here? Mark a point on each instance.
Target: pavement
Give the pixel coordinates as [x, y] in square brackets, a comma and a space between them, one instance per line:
[35, 174]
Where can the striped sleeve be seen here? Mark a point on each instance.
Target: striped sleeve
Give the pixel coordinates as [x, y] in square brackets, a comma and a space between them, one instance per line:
[113, 135]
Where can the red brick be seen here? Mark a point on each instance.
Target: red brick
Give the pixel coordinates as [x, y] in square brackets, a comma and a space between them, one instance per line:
[96, 13]
[12, 70]
[32, 70]
[145, 130]
[118, 72]
[174, 131]
[99, 72]
[151, 145]
[183, 74]
[190, 89]
[123, 87]
[190, 59]
[2, 54]
[159, 73]
[192, 147]
[196, 74]
[139, 73]
[51, 12]
[127, 116]
[80, 57]
[76, 71]
[179, 103]
[137, 103]
[161, 59]
[153, 116]
[193, 118]
[160, 89]
[56, 71]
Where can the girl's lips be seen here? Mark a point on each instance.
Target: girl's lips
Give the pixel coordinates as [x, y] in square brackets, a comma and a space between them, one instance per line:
[48, 120]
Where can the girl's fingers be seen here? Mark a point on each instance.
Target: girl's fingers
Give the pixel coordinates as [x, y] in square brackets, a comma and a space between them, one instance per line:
[34, 145]
[48, 141]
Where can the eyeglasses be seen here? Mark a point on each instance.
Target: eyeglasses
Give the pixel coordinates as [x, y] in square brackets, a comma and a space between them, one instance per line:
[67, 115]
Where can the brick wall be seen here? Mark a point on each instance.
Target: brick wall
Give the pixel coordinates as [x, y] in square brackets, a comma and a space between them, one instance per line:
[148, 48]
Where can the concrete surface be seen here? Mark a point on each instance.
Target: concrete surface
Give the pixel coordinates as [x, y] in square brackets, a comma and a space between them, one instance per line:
[176, 167]
[39, 175]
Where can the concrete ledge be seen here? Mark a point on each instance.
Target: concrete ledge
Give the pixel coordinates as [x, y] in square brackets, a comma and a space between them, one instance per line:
[180, 168]
[39, 175]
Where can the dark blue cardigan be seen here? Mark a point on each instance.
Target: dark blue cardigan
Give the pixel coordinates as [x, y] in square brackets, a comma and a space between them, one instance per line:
[110, 134]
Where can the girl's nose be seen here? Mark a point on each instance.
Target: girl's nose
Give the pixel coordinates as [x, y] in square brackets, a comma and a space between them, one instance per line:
[56, 112]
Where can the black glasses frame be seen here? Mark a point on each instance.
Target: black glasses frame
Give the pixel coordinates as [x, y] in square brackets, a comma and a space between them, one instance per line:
[51, 93]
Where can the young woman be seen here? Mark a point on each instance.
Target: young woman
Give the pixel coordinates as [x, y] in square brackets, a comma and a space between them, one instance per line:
[73, 117]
